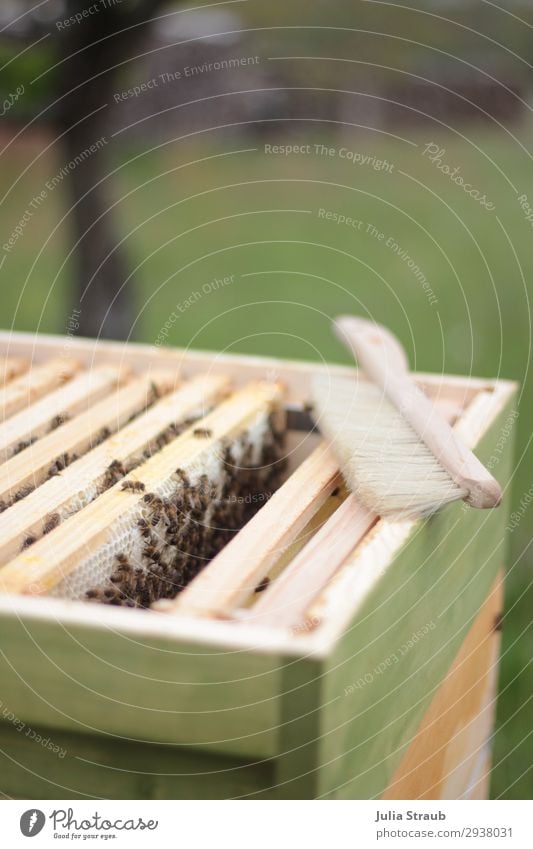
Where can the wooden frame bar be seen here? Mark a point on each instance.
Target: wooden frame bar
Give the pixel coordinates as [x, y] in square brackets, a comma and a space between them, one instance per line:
[11, 367]
[81, 481]
[296, 375]
[30, 468]
[285, 601]
[38, 381]
[54, 556]
[69, 400]
[233, 575]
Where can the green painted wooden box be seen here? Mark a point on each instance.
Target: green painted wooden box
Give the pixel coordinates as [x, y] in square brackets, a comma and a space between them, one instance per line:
[384, 687]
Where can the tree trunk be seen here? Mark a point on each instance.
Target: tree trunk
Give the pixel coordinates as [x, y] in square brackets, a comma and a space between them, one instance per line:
[105, 302]
[86, 82]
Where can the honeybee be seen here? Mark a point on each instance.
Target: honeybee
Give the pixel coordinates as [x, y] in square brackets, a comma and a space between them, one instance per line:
[133, 486]
[59, 420]
[172, 512]
[116, 467]
[262, 585]
[122, 560]
[51, 522]
[27, 542]
[104, 434]
[23, 492]
[152, 553]
[25, 443]
[203, 432]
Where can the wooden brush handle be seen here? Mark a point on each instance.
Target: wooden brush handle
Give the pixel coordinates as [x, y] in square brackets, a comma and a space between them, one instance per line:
[383, 360]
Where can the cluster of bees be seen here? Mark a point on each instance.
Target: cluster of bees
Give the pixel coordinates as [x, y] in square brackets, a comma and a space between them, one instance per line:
[118, 469]
[180, 534]
[23, 444]
[115, 472]
[56, 467]
[173, 533]
[51, 521]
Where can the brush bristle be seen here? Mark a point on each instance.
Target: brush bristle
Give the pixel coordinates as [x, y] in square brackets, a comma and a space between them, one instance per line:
[385, 463]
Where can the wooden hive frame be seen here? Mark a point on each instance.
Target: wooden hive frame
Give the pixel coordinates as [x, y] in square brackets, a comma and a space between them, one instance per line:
[280, 664]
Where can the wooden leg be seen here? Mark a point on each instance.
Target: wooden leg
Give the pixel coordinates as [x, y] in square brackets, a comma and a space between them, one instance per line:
[449, 757]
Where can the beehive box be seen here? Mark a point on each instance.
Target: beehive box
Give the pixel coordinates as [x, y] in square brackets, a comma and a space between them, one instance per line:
[365, 667]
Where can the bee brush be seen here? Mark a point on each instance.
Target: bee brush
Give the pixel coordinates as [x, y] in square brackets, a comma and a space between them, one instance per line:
[399, 457]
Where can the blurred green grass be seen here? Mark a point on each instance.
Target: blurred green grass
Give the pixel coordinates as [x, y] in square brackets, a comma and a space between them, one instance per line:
[195, 213]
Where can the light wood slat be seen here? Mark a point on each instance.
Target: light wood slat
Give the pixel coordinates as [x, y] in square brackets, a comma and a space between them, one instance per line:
[35, 383]
[56, 555]
[30, 467]
[11, 367]
[293, 549]
[296, 375]
[360, 571]
[81, 481]
[284, 603]
[69, 400]
[448, 753]
[228, 580]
